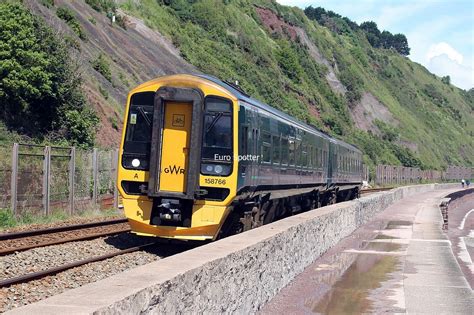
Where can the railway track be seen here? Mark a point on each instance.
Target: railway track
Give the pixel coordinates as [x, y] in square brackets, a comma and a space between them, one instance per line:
[52, 271]
[21, 241]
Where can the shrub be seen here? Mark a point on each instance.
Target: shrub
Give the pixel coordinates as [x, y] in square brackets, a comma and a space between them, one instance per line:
[68, 16]
[102, 66]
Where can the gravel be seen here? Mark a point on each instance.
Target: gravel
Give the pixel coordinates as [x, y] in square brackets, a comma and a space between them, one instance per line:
[47, 257]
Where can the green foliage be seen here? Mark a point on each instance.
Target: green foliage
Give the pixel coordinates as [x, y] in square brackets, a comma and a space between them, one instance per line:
[113, 121]
[101, 65]
[7, 219]
[80, 125]
[446, 80]
[288, 61]
[232, 40]
[102, 5]
[104, 92]
[48, 3]
[389, 132]
[39, 82]
[68, 16]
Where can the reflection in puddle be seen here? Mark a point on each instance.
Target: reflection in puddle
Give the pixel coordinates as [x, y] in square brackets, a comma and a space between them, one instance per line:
[383, 246]
[349, 295]
[398, 224]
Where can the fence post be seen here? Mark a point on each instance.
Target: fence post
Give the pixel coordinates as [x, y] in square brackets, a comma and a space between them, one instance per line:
[72, 178]
[95, 175]
[115, 163]
[46, 178]
[14, 178]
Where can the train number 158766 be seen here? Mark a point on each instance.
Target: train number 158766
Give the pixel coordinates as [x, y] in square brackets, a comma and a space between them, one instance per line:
[214, 181]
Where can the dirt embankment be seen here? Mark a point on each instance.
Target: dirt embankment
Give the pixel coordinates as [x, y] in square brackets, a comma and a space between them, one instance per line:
[135, 55]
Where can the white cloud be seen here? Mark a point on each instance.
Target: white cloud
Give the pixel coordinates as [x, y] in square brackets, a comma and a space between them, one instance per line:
[443, 48]
[461, 75]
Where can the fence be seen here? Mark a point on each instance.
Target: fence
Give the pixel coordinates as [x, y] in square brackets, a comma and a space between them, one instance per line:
[390, 175]
[38, 179]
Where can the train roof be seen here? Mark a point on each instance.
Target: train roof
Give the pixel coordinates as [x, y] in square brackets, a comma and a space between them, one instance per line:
[246, 98]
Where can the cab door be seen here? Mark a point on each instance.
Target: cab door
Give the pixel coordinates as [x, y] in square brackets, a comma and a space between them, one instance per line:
[175, 146]
[176, 143]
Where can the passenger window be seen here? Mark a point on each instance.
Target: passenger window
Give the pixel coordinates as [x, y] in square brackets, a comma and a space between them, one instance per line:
[292, 145]
[266, 147]
[304, 156]
[310, 156]
[276, 149]
[284, 151]
[298, 152]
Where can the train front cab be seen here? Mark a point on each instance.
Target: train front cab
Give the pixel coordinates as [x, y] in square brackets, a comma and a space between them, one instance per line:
[177, 175]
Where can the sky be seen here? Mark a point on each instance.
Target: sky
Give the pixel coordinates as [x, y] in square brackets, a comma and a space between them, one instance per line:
[440, 33]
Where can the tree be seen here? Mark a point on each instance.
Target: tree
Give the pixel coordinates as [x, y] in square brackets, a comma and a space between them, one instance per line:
[400, 44]
[38, 82]
[372, 33]
[446, 80]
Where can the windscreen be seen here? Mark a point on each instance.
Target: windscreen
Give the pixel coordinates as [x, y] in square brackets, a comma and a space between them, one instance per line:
[136, 148]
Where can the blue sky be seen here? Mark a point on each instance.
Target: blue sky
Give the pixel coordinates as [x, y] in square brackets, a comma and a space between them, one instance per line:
[440, 33]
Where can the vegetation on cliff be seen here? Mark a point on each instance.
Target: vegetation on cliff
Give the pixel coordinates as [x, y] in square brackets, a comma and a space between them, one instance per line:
[353, 81]
[40, 84]
[282, 57]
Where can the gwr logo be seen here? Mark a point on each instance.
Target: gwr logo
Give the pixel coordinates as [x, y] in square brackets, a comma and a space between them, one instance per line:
[174, 170]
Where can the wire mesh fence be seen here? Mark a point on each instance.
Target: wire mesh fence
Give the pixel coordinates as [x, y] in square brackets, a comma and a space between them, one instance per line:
[396, 175]
[36, 180]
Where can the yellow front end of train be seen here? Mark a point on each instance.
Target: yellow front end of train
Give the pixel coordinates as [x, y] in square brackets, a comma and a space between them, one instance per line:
[176, 173]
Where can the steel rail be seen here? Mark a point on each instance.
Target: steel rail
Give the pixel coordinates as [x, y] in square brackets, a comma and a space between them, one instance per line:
[58, 241]
[55, 270]
[15, 235]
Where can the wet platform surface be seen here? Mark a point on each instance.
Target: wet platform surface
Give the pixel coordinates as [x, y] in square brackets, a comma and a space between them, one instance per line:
[401, 262]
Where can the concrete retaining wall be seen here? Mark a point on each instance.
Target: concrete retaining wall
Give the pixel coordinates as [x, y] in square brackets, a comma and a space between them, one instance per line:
[238, 274]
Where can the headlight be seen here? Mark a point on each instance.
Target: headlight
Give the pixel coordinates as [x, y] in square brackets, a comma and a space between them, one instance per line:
[136, 163]
[215, 169]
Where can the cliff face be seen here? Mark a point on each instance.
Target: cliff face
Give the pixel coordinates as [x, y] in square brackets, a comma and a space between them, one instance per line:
[392, 108]
[133, 55]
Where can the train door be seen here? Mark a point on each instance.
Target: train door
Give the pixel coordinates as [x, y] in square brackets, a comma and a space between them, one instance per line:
[254, 150]
[175, 146]
[176, 143]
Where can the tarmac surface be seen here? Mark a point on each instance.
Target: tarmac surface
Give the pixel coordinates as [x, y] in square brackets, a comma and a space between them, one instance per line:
[400, 262]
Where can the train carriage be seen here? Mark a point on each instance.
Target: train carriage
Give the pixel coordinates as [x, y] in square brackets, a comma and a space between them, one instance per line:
[200, 159]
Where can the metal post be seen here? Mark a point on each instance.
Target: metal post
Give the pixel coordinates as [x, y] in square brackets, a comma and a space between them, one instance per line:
[115, 165]
[46, 178]
[95, 173]
[14, 178]
[72, 178]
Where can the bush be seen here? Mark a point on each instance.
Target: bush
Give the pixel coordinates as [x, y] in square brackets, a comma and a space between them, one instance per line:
[102, 5]
[102, 66]
[68, 16]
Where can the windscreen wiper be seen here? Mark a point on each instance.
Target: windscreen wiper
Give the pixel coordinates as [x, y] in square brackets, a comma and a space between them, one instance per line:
[148, 121]
[214, 121]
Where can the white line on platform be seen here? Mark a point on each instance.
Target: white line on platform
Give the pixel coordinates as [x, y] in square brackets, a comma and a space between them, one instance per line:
[461, 226]
[464, 254]
[375, 252]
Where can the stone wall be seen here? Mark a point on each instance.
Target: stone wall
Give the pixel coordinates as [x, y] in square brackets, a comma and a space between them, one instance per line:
[238, 274]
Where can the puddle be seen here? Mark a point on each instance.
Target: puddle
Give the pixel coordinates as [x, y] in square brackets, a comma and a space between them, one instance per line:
[349, 295]
[398, 224]
[384, 237]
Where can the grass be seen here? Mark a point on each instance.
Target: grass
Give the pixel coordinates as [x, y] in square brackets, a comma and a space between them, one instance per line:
[8, 220]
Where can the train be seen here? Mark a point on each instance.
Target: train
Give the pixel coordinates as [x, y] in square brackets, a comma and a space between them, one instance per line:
[200, 160]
